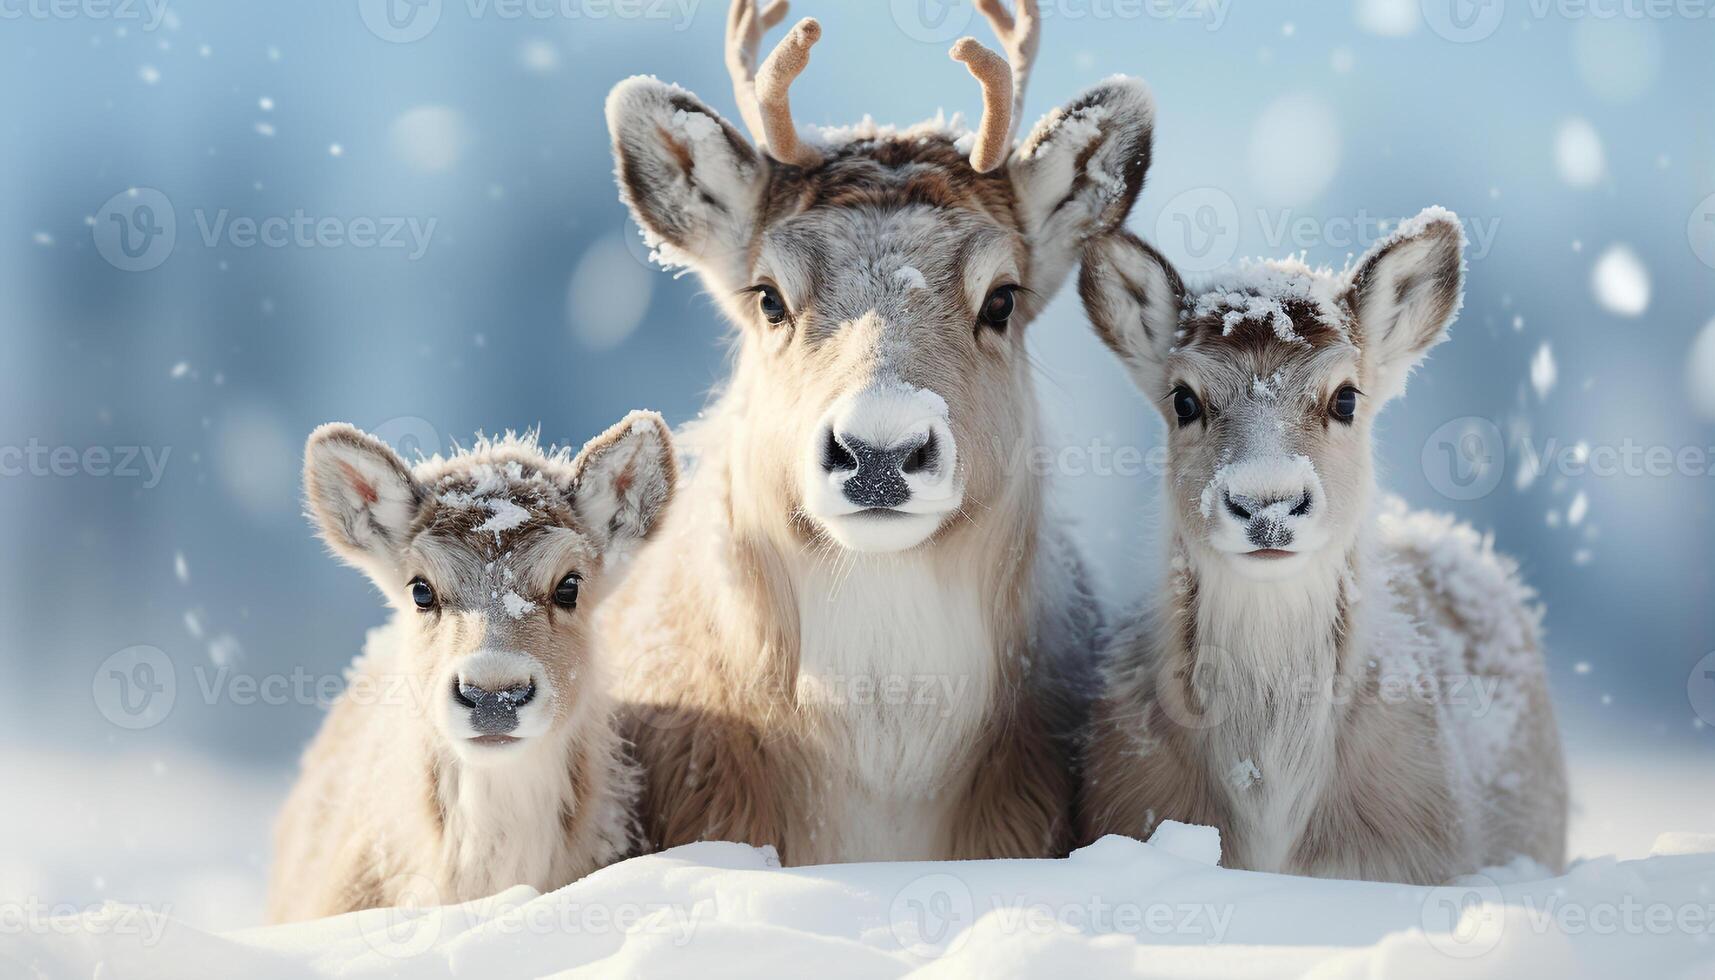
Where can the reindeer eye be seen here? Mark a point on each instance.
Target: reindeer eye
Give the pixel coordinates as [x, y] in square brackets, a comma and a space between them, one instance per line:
[769, 302]
[1186, 407]
[566, 593]
[1345, 404]
[997, 309]
[422, 594]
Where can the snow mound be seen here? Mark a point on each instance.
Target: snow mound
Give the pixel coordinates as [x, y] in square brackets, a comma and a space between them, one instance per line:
[1118, 907]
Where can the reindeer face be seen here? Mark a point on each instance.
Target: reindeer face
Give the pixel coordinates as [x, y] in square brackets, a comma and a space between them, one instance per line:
[493, 559]
[1270, 378]
[1268, 436]
[882, 279]
[885, 360]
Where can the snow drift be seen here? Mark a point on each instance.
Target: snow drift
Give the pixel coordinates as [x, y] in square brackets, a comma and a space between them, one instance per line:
[1118, 907]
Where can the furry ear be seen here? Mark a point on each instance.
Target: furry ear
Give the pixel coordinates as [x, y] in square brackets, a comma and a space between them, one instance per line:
[1080, 170]
[624, 479]
[1404, 293]
[691, 181]
[1133, 296]
[361, 494]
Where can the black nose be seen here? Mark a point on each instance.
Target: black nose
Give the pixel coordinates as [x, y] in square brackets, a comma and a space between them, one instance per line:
[879, 477]
[1244, 508]
[1268, 532]
[493, 712]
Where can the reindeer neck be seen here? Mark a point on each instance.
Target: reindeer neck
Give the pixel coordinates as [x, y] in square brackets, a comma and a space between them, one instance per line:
[1263, 628]
[1262, 654]
[506, 822]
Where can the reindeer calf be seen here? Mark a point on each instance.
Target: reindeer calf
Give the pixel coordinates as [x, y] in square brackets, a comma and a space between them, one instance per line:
[474, 748]
[1343, 691]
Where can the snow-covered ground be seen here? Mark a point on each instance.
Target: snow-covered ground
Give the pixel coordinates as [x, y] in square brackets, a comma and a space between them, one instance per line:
[180, 846]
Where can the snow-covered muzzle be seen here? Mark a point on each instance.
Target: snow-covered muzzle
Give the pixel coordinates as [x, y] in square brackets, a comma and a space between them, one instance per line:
[496, 699]
[881, 470]
[1266, 509]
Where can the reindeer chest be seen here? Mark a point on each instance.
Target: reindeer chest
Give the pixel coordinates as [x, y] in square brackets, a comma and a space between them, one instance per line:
[895, 681]
[1273, 754]
[503, 827]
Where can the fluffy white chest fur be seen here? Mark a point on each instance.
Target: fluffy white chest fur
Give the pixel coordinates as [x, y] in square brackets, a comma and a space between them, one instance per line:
[895, 680]
[504, 823]
[1266, 650]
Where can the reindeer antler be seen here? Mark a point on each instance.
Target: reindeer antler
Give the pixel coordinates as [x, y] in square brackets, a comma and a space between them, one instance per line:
[762, 98]
[1003, 90]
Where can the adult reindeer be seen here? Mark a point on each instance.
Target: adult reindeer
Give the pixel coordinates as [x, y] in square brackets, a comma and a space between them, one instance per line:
[859, 637]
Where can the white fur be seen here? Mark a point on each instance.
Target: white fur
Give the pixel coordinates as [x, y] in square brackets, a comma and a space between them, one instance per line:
[891, 620]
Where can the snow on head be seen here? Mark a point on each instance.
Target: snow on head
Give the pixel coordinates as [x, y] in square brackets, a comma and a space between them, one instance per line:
[507, 515]
[911, 276]
[1294, 149]
[1578, 153]
[517, 606]
[1621, 282]
[1259, 291]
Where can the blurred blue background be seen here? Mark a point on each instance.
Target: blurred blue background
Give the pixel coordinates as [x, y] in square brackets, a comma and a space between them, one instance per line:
[1578, 149]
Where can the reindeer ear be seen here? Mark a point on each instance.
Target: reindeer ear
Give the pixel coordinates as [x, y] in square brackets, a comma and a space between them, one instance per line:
[361, 495]
[1404, 294]
[624, 479]
[1132, 296]
[1080, 170]
[691, 181]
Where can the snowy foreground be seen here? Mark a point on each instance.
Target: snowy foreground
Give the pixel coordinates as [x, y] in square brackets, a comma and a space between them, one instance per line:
[1120, 907]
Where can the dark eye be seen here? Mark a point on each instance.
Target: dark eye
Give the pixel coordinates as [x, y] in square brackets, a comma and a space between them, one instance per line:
[1345, 404]
[997, 309]
[1186, 407]
[422, 594]
[769, 302]
[566, 593]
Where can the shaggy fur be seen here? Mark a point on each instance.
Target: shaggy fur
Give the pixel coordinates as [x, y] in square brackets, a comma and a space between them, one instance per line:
[1374, 706]
[394, 799]
[786, 690]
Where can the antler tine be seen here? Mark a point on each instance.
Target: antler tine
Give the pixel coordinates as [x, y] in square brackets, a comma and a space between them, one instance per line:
[994, 133]
[1003, 91]
[745, 26]
[787, 62]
